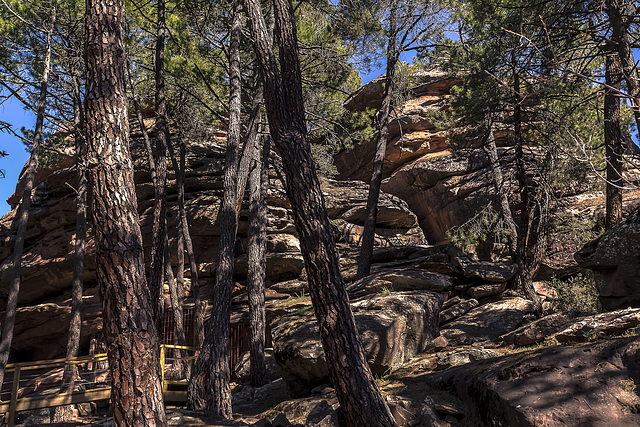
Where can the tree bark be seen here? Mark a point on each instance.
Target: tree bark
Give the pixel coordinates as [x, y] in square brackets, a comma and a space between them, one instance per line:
[209, 384]
[128, 317]
[491, 150]
[371, 211]
[257, 261]
[620, 36]
[613, 141]
[23, 214]
[185, 236]
[359, 396]
[64, 413]
[159, 245]
[525, 249]
[143, 128]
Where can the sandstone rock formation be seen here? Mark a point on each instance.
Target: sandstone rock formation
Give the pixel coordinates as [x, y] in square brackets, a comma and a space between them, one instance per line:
[393, 328]
[49, 251]
[615, 256]
[443, 187]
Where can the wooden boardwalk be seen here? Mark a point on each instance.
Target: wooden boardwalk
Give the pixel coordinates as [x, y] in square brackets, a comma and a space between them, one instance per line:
[93, 377]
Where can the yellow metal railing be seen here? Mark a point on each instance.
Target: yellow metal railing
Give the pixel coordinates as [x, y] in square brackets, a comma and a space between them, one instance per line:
[102, 390]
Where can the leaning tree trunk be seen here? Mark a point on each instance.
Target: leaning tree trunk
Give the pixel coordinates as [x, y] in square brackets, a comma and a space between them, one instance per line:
[64, 413]
[159, 245]
[371, 211]
[257, 261]
[526, 243]
[127, 309]
[22, 216]
[613, 141]
[359, 396]
[491, 150]
[209, 384]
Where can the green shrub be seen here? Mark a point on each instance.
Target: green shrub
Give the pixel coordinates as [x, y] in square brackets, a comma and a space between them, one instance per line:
[579, 292]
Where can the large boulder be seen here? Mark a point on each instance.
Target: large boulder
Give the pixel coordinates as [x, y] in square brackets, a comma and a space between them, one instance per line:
[402, 279]
[615, 256]
[393, 328]
[590, 384]
[489, 321]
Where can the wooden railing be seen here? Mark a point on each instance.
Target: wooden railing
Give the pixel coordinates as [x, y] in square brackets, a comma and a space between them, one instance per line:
[93, 377]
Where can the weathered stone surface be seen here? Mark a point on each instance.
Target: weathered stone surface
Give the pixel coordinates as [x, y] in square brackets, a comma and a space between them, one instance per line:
[242, 368]
[291, 287]
[393, 328]
[540, 329]
[457, 310]
[489, 271]
[614, 322]
[588, 384]
[615, 256]
[486, 290]
[405, 279]
[489, 321]
[323, 415]
[464, 356]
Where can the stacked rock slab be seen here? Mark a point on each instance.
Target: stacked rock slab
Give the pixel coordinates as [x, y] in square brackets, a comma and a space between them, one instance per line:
[49, 252]
[442, 186]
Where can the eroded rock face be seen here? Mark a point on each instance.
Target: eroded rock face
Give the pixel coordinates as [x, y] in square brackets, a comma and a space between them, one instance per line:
[587, 384]
[47, 264]
[615, 256]
[393, 328]
[443, 188]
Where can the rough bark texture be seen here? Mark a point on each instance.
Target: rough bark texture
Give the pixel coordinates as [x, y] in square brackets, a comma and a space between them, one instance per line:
[129, 329]
[159, 244]
[185, 239]
[620, 23]
[491, 149]
[613, 141]
[64, 413]
[258, 184]
[359, 396]
[23, 216]
[209, 384]
[371, 211]
[526, 251]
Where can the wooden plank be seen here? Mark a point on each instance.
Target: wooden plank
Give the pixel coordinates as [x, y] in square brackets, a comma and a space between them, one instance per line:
[74, 360]
[27, 403]
[13, 406]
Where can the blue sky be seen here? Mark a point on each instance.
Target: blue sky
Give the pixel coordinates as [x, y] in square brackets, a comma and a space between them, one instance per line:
[12, 112]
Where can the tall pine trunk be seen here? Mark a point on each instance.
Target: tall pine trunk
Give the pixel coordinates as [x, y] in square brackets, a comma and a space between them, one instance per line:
[22, 216]
[64, 413]
[371, 211]
[209, 384]
[159, 244]
[620, 26]
[127, 308]
[613, 140]
[360, 399]
[257, 261]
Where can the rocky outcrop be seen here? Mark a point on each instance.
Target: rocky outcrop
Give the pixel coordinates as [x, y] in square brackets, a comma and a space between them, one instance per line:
[590, 384]
[445, 188]
[488, 322]
[393, 328]
[615, 256]
[49, 251]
